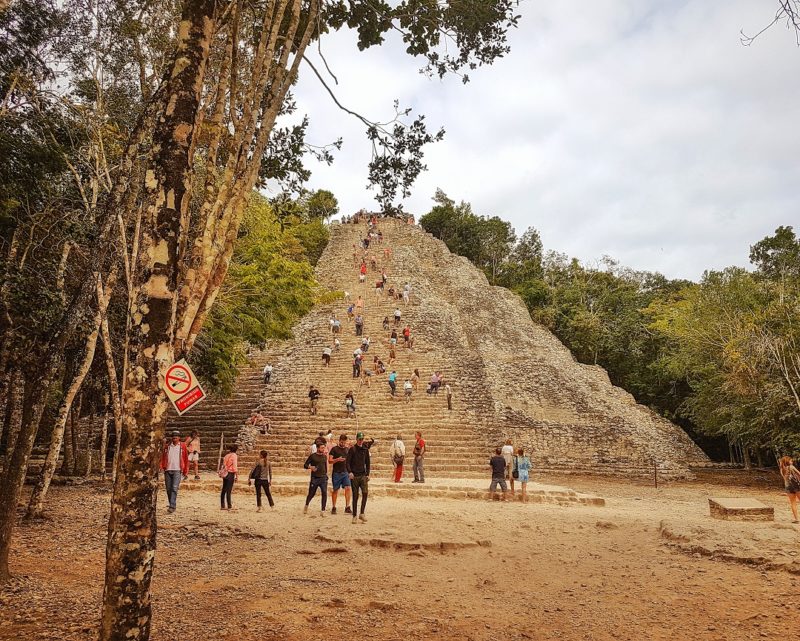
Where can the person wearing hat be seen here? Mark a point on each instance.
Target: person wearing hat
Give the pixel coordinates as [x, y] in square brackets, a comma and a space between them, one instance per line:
[358, 469]
[175, 463]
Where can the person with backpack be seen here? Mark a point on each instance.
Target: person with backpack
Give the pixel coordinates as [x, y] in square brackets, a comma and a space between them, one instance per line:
[228, 472]
[175, 464]
[261, 474]
[318, 464]
[357, 464]
[397, 452]
[393, 382]
[419, 458]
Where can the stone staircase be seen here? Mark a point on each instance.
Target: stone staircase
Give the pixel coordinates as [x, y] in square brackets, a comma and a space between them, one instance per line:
[510, 377]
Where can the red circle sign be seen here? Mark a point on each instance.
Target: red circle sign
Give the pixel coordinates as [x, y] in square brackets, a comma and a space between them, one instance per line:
[178, 378]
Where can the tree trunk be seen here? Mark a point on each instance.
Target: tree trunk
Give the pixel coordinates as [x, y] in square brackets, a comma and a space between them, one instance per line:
[68, 464]
[103, 445]
[35, 398]
[113, 386]
[75, 423]
[731, 453]
[36, 503]
[15, 399]
[130, 550]
[759, 458]
[748, 465]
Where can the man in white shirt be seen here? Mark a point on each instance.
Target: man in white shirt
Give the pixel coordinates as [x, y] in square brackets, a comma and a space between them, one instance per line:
[398, 454]
[267, 373]
[175, 463]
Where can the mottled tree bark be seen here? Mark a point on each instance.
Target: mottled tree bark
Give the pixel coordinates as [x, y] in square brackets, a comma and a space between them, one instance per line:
[103, 444]
[130, 550]
[16, 391]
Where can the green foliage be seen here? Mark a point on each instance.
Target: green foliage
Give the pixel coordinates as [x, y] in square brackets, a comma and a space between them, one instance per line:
[270, 284]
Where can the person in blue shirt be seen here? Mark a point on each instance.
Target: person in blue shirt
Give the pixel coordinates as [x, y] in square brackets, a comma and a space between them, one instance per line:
[393, 381]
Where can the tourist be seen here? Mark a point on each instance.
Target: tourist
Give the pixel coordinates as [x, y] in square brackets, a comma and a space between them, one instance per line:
[262, 475]
[175, 463]
[406, 334]
[193, 448]
[380, 368]
[326, 355]
[267, 373]
[337, 458]
[359, 325]
[397, 315]
[433, 387]
[359, 305]
[229, 472]
[356, 365]
[378, 289]
[385, 323]
[329, 440]
[331, 322]
[397, 452]
[257, 420]
[393, 381]
[366, 377]
[419, 458]
[507, 453]
[407, 389]
[392, 355]
[337, 326]
[791, 482]
[319, 440]
[415, 378]
[362, 275]
[406, 293]
[336, 344]
[351, 312]
[350, 404]
[318, 464]
[449, 393]
[498, 465]
[365, 342]
[358, 468]
[522, 468]
[313, 399]
[393, 337]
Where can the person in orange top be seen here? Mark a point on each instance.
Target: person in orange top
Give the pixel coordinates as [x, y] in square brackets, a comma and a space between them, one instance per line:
[175, 463]
[229, 472]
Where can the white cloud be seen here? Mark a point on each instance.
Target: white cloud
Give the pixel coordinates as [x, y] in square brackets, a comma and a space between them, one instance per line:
[639, 129]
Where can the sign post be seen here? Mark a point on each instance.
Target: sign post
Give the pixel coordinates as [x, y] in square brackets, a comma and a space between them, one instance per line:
[182, 387]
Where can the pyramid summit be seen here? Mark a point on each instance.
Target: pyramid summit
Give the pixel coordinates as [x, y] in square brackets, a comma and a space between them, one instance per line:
[510, 377]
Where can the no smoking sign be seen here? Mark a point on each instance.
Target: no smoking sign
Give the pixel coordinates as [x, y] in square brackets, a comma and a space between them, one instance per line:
[182, 387]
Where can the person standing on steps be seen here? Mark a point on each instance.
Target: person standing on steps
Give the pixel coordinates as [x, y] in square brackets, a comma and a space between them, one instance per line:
[406, 335]
[419, 458]
[449, 393]
[393, 381]
[522, 468]
[358, 468]
[415, 379]
[407, 389]
[262, 475]
[392, 354]
[362, 272]
[398, 455]
[498, 465]
[337, 326]
[267, 373]
[385, 323]
[175, 463]
[350, 404]
[313, 399]
[193, 448]
[359, 305]
[318, 464]
[508, 454]
[791, 483]
[326, 355]
[359, 325]
[229, 472]
[397, 316]
[337, 459]
[393, 338]
[406, 294]
[351, 311]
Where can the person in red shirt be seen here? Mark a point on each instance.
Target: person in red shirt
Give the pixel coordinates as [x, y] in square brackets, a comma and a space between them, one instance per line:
[419, 458]
[175, 464]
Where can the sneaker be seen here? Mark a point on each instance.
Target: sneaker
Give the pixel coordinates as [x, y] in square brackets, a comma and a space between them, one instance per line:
[363, 518]
[333, 510]
[170, 510]
[347, 510]
[305, 509]
[355, 519]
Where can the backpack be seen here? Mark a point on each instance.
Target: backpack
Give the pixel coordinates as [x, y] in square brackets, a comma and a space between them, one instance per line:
[222, 472]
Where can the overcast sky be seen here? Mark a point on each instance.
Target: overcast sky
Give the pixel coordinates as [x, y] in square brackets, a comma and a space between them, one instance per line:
[640, 129]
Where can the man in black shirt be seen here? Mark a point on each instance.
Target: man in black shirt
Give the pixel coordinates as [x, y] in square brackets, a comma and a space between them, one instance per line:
[337, 457]
[318, 464]
[358, 469]
[313, 396]
[498, 465]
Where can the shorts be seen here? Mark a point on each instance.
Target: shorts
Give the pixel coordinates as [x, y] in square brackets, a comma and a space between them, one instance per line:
[793, 487]
[340, 480]
[495, 482]
[194, 457]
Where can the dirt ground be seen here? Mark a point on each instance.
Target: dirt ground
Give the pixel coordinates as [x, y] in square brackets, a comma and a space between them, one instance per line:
[651, 564]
